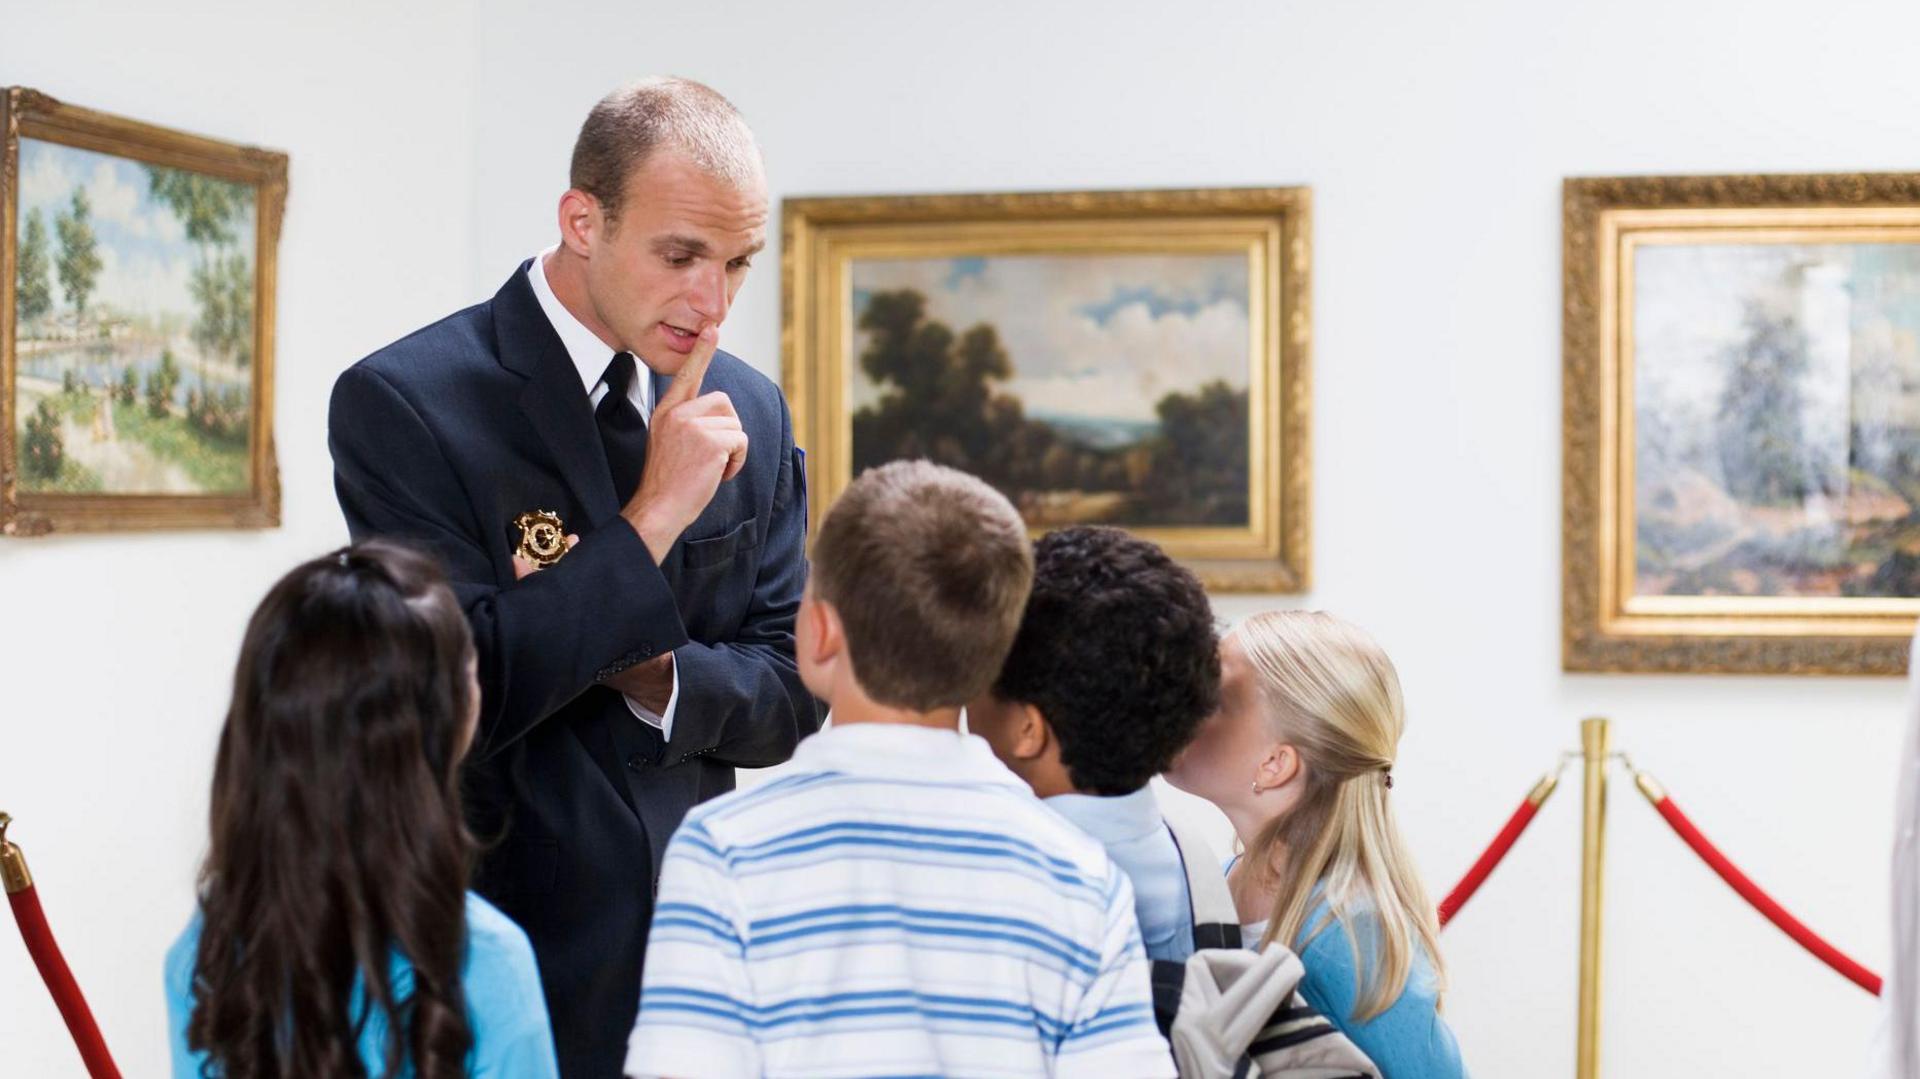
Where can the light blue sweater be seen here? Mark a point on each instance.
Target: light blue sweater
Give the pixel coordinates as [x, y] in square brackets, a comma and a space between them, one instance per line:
[505, 1008]
[1136, 838]
[1407, 1041]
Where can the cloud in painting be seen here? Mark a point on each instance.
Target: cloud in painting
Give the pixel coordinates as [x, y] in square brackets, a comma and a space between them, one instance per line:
[1090, 336]
[119, 194]
[146, 261]
[140, 283]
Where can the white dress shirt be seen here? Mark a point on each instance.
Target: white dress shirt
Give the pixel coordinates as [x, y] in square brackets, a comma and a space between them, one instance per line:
[590, 357]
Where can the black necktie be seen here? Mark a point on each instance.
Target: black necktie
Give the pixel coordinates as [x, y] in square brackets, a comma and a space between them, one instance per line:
[623, 433]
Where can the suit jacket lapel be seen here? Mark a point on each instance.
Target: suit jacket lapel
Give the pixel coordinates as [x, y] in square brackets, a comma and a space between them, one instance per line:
[552, 398]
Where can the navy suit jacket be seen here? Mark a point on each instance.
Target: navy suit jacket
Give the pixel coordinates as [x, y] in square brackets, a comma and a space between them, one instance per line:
[443, 438]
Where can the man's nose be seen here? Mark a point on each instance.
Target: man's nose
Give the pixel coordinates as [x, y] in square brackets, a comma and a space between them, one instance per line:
[710, 297]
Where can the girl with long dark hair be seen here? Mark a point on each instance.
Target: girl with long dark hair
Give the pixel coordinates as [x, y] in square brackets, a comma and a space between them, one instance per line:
[336, 935]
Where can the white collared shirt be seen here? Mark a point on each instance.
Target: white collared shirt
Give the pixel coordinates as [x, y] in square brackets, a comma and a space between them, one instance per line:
[590, 357]
[836, 921]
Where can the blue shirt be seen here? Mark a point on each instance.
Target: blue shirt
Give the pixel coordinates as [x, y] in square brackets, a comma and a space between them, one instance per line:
[1136, 838]
[1407, 1041]
[505, 1009]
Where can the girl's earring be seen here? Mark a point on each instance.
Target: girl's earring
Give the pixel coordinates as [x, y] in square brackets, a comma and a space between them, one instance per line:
[1256, 786]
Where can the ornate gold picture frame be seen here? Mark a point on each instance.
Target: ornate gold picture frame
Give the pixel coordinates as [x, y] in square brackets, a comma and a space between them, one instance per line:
[137, 280]
[1742, 423]
[1134, 358]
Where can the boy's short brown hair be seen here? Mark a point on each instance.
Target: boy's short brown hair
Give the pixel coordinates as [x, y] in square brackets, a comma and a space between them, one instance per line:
[929, 570]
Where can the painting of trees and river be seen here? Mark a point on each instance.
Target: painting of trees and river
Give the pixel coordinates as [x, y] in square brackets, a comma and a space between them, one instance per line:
[134, 326]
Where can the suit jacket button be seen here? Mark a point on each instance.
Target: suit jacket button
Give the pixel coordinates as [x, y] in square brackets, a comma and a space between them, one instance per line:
[638, 762]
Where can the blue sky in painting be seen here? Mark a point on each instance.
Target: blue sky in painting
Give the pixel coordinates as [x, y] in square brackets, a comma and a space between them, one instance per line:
[146, 259]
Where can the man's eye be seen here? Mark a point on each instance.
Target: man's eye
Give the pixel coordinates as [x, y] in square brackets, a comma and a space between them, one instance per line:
[679, 259]
[739, 264]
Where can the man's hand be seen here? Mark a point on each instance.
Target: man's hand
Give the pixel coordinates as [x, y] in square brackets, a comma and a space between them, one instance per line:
[649, 684]
[694, 442]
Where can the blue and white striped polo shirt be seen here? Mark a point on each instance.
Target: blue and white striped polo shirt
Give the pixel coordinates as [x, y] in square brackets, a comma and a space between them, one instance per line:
[900, 905]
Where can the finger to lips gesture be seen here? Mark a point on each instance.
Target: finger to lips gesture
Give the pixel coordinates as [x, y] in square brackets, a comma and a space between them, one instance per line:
[694, 443]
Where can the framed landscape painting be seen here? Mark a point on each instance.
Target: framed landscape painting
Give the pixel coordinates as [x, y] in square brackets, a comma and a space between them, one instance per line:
[1136, 359]
[136, 324]
[1742, 405]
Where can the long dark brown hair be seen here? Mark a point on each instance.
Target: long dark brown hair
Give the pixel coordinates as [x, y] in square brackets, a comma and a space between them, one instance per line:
[337, 835]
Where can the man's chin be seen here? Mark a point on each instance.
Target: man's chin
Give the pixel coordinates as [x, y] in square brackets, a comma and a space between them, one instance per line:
[662, 361]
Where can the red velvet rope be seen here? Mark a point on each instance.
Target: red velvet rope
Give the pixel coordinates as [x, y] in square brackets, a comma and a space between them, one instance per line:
[66, 992]
[1476, 876]
[1764, 903]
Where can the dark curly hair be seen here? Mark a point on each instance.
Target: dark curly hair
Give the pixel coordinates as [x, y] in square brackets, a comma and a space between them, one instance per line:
[337, 833]
[1118, 651]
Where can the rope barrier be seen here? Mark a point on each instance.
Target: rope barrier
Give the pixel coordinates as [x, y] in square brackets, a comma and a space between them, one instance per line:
[25, 901]
[24, 898]
[1749, 891]
[1502, 843]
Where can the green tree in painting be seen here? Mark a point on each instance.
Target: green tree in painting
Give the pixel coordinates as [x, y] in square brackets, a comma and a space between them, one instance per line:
[161, 382]
[940, 402]
[129, 389]
[79, 262]
[34, 293]
[42, 452]
[1762, 445]
[223, 288]
[210, 212]
[1198, 471]
[208, 209]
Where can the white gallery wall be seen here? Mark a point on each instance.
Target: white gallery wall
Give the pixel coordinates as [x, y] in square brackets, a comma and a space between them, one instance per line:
[116, 652]
[429, 143]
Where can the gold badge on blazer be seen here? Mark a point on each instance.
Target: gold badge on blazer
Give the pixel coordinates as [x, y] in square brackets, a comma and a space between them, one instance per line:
[543, 539]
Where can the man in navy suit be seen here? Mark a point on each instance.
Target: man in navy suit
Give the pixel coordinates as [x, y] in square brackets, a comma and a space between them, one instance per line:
[624, 681]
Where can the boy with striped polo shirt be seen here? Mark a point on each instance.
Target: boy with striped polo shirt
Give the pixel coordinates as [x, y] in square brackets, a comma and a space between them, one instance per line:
[899, 904]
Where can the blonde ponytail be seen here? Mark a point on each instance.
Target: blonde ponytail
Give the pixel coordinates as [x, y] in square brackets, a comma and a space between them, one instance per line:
[1330, 692]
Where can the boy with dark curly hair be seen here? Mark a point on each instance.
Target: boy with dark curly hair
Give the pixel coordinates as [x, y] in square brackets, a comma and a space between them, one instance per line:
[1115, 666]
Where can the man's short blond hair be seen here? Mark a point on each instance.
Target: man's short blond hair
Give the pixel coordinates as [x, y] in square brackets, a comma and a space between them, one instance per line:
[929, 569]
[663, 112]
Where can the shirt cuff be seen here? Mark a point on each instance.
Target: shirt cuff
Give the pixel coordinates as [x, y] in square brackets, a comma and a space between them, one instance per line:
[660, 721]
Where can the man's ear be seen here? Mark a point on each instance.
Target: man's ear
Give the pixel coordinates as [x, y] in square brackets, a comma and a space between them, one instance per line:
[1031, 735]
[580, 221]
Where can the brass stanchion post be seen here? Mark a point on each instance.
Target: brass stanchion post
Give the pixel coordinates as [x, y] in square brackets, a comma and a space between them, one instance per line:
[1596, 742]
[13, 864]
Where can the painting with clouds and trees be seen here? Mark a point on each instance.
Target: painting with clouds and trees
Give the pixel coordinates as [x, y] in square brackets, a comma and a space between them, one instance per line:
[1741, 475]
[1127, 358]
[1088, 389]
[140, 350]
[1777, 420]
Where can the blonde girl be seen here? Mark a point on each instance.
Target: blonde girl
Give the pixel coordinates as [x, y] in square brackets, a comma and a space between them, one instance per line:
[1300, 758]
